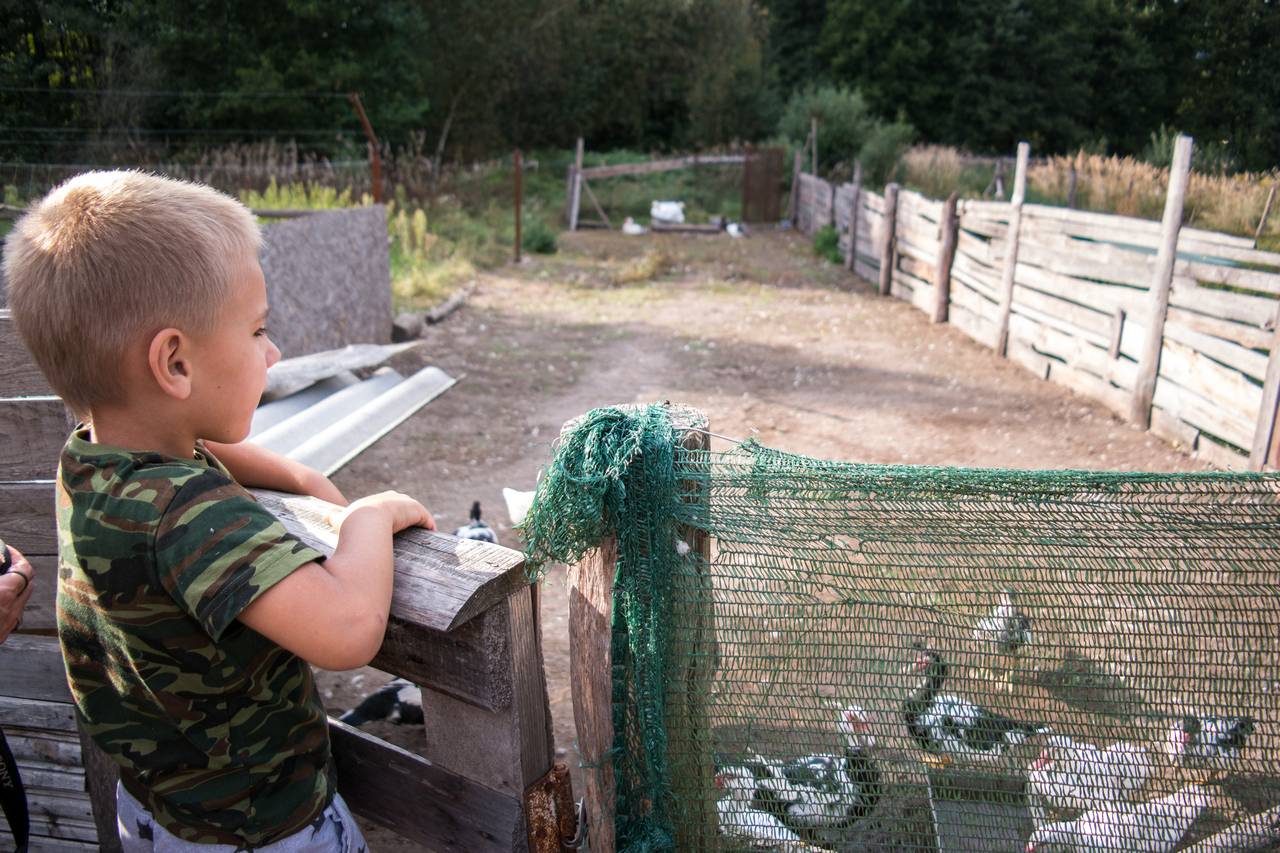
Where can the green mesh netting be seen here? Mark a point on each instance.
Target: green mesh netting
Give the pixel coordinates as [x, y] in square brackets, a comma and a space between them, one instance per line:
[870, 658]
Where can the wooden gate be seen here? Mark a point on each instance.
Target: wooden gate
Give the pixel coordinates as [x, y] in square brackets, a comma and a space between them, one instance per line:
[762, 185]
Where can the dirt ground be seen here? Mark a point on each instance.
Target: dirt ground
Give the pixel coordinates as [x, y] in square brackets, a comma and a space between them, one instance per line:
[759, 333]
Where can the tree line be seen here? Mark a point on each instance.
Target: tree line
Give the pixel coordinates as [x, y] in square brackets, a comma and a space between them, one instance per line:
[95, 79]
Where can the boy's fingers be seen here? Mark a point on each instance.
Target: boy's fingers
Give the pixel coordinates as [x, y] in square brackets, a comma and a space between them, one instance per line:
[428, 521]
[335, 516]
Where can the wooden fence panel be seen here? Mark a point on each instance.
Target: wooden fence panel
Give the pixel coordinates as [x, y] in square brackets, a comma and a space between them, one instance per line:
[870, 234]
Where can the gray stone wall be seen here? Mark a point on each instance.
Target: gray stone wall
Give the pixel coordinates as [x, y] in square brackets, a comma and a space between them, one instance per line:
[328, 280]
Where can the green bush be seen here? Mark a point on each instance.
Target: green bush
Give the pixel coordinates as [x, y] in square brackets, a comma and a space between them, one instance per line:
[847, 131]
[537, 236]
[826, 243]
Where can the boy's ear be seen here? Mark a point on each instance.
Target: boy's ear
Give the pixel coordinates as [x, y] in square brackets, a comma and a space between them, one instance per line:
[169, 359]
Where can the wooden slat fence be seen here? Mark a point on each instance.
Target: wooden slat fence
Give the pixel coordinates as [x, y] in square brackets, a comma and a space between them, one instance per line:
[1081, 302]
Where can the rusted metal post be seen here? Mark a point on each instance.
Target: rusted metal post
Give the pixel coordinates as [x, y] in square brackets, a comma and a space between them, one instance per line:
[517, 205]
[1144, 387]
[375, 153]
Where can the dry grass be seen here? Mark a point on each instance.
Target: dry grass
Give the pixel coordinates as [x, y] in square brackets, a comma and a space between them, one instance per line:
[1123, 185]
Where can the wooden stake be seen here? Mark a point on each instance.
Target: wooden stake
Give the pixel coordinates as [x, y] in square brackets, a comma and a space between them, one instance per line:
[517, 205]
[1001, 343]
[814, 134]
[795, 189]
[887, 243]
[1071, 188]
[1161, 283]
[1264, 434]
[950, 226]
[375, 153]
[575, 189]
[852, 255]
[1117, 333]
[600, 210]
[1266, 211]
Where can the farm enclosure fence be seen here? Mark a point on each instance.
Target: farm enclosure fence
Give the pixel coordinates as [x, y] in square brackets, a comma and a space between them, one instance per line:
[1080, 305]
[779, 652]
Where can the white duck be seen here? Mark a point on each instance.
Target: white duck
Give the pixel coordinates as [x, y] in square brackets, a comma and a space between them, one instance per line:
[736, 815]
[1072, 776]
[1154, 827]
[948, 727]
[1207, 743]
[667, 211]
[518, 504]
[1006, 627]
[632, 228]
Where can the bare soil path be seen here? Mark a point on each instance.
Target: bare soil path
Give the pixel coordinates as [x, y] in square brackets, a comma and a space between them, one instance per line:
[761, 335]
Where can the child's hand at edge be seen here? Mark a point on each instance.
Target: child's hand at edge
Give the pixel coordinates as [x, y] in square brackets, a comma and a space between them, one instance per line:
[402, 510]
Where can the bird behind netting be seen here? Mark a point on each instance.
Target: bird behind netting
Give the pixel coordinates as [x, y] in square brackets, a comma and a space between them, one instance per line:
[476, 529]
[398, 701]
[1006, 627]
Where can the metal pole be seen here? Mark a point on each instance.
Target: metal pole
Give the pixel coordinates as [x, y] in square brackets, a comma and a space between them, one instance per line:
[517, 205]
[375, 155]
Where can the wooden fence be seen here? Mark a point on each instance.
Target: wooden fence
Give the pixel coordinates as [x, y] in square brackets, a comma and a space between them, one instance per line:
[1079, 302]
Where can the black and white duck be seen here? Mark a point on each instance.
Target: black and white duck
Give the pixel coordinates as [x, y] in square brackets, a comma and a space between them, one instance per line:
[476, 529]
[947, 727]
[824, 791]
[1207, 742]
[738, 818]
[398, 701]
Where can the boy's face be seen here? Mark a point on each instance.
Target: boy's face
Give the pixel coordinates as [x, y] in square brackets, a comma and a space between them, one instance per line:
[232, 360]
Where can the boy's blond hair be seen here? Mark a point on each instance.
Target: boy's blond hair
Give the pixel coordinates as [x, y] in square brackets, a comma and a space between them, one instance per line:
[109, 256]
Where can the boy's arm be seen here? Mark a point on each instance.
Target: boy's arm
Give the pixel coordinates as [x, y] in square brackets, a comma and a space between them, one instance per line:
[334, 614]
[256, 467]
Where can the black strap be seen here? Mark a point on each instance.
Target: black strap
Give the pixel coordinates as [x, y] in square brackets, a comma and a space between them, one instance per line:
[13, 799]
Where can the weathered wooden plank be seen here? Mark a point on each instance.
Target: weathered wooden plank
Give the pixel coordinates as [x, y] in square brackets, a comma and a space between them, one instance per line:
[1263, 282]
[1244, 334]
[1258, 311]
[1096, 322]
[1021, 352]
[471, 663]
[32, 432]
[1074, 351]
[292, 374]
[420, 800]
[1100, 297]
[54, 778]
[1221, 455]
[35, 714]
[971, 323]
[531, 701]
[1089, 385]
[19, 376]
[1205, 415]
[871, 202]
[661, 165]
[1247, 361]
[1264, 434]
[1173, 429]
[60, 749]
[440, 581]
[27, 520]
[1239, 398]
[31, 668]
[43, 844]
[1095, 261]
[41, 612]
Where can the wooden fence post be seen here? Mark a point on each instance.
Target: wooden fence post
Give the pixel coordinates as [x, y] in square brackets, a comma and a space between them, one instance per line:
[814, 134]
[887, 243]
[950, 226]
[1144, 387]
[693, 659]
[1264, 434]
[792, 205]
[853, 216]
[575, 189]
[517, 159]
[1011, 250]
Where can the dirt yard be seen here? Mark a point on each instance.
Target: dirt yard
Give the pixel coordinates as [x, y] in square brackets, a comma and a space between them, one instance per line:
[759, 333]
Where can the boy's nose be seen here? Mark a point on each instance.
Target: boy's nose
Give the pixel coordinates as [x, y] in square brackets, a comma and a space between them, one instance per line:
[273, 353]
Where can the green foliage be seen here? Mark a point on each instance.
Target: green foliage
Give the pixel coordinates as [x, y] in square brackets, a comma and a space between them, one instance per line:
[847, 131]
[1208, 156]
[826, 243]
[538, 236]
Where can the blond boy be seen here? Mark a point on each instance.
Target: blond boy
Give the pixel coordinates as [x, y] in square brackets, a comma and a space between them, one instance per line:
[187, 615]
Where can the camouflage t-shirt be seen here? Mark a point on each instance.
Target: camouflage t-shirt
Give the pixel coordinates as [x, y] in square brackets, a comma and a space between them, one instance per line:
[218, 731]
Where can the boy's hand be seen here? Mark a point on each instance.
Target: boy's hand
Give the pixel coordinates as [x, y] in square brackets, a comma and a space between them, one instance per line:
[15, 589]
[400, 509]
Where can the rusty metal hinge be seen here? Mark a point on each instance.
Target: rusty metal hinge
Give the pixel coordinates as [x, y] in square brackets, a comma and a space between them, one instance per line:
[553, 822]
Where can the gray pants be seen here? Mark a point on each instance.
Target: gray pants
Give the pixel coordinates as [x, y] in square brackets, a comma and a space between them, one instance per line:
[335, 831]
